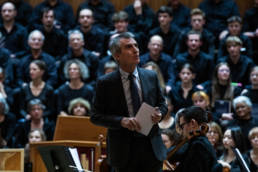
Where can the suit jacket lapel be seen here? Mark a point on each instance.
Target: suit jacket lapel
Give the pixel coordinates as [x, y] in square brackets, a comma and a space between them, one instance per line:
[144, 84]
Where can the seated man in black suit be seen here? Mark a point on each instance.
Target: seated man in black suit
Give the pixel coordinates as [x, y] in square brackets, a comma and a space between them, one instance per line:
[118, 97]
[240, 65]
[169, 32]
[197, 24]
[201, 62]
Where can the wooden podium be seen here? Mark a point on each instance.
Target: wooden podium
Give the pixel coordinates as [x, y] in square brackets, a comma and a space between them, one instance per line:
[72, 131]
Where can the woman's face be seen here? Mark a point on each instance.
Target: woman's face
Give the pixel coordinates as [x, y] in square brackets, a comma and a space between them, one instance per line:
[36, 112]
[167, 142]
[186, 75]
[35, 137]
[201, 102]
[243, 110]
[228, 141]
[223, 73]
[213, 136]
[254, 77]
[79, 110]
[35, 71]
[254, 141]
[74, 71]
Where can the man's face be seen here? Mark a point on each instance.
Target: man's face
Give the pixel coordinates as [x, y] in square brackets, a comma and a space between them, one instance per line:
[197, 22]
[233, 49]
[193, 42]
[86, 18]
[164, 19]
[8, 12]
[234, 28]
[121, 26]
[36, 41]
[254, 77]
[155, 45]
[129, 55]
[76, 42]
[48, 18]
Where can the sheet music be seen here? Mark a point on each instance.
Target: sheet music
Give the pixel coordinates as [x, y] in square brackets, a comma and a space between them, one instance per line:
[76, 158]
[143, 116]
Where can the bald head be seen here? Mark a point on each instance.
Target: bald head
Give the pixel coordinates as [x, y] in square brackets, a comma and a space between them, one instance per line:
[8, 12]
[155, 45]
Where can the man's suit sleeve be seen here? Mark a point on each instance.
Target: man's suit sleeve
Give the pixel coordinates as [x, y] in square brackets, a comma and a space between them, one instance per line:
[100, 114]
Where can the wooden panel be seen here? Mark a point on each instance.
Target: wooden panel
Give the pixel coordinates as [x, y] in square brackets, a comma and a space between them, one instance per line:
[155, 4]
[77, 128]
[11, 160]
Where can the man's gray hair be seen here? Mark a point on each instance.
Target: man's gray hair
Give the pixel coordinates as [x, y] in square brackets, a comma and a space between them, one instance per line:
[34, 31]
[75, 31]
[84, 71]
[242, 99]
[114, 44]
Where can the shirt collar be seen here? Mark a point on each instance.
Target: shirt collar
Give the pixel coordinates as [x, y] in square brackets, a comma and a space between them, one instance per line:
[125, 75]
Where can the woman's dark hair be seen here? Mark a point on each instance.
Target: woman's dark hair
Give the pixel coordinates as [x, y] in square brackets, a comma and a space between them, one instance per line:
[40, 63]
[215, 88]
[187, 66]
[172, 135]
[238, 137]
[196, 113]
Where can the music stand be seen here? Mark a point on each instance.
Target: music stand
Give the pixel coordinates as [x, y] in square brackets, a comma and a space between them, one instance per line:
[58, 159]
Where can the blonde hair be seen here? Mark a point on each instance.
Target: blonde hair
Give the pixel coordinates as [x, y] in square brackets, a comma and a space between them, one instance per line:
[201, 94]
[80, 100]
[253, 132]
[197, 11]
[233, 40]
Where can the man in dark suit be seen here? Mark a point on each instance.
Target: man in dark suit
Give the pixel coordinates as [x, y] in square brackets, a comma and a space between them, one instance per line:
[114, 108]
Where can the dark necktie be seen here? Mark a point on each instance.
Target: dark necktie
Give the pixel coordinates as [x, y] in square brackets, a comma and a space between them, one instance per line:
[134, 94]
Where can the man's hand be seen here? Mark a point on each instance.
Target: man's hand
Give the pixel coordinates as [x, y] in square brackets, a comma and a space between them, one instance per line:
[130, 123]
[156, 116]
[227, 116]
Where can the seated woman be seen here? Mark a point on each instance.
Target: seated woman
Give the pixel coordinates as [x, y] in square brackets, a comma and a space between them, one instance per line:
[153, 66]
[110, 66]
[5, 90]
[79, 107]
[251, 91]
[76, 71]
[168, 122]
[35, 135]
[37, 88]
[251, 156]
[214, 135]
[7, 124]
[233, 138]
[181, 93]
[35, 110]
[243, 118]
[221, 91]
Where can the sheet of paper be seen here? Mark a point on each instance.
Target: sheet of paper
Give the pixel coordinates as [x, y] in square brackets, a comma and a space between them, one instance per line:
[76, 158]
[143, 116]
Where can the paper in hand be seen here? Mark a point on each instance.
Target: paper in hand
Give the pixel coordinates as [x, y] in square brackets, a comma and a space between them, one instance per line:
[143, 117]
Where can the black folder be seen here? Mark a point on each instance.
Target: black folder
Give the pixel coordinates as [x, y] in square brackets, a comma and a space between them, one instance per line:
[58, 159]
